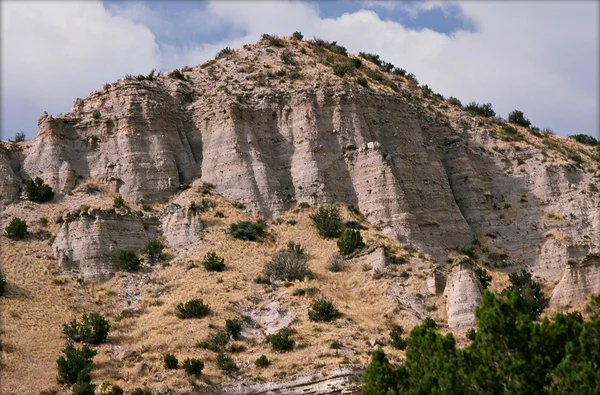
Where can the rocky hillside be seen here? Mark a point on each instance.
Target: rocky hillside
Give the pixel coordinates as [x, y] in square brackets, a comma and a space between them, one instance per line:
[273, 131]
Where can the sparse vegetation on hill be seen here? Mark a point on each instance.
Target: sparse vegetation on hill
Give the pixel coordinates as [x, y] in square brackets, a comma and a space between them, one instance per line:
[485, 110]
[328, 221]
[16, 229]
[128, 261]
[518, 118]
[37, 191]
[213, 263]
[247, 230]
[289, 264]
[350, 241]
[154, 250]
[324, 310]
[282, 340]
[92, 329]
[195, 308]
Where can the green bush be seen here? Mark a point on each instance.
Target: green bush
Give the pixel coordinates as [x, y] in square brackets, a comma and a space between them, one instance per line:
[234, 328]
[356, 62]
[530, 291]
[484, 110]
[350, 241]
[177, 74]
[585, 139]
[289, 265]
[119, 202]
[3, 283]
[224, 52]
[297, 36]
[226, 363]
[83, 387]
[362, 82]
[454, 101]
[246, 230]
[512, 134]
[215, 342]
[396, 338]
[114, 390]
[140, 391]
[484, 277]
[193, 366]
[399, 71]
[194, 308]
[327, 220]
[16, 230]
[237, 348]
[371, 57]
[170, 361]
[93, 329]
[517, 117]
[287, 57]
[309, 291]
[281, 341]
[213, 263]
[37, 191]
[19, 137]
[272, 40]
[323, 310]
[154, 250]
[76, 363]
[471, 334]
[341, 69]
[128, 261]
[262, 361]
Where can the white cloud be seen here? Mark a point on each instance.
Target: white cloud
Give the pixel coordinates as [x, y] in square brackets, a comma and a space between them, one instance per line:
[538, 57]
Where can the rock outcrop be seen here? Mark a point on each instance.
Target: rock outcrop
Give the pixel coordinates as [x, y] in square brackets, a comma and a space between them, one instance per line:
[463, 294]
[580, 279]
[9, 184]
[88, 243]
[181, 225]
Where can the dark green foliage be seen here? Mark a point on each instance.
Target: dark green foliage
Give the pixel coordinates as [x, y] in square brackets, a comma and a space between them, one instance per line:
[177, 74]
[215, 342]
[426, 90]
[336, 344]
[323, 310]
[246, 230]
[362, 82]
[16, 229]
[371, 57]
[96, 114]
[295, 75]
[517, 117]
[412, 78]
[454, 101]
[354, 225]
[592, 307]
[128, 261]
[3, 283]
[471, 334]
[310, 291]
[224, 52]
[327, 220]
[341, 69]
[400, 72]
[350, 241]
[226, 363]
[292, 246]
[531, 292]
[213, 263]
[357, 63]
[114, 390]
[234, 328]
[272, 40]
[140, 391]
[281, 341]
[511, 133]
[83, 387]
[76, 363]
[585, 139]
[289, 264]
[287, 57]
[484, 110]
[262, 361]
[484, 277]
[154, 250]
[19, 137]
[332, 46]
[119, 202]
[170, 361]
[37, 191]
[219, 214]
[380, 378]
[194, 308]
[92, 329]
[396, 338]
[206, 188]
[297, 36]
[304, 205]
[237, 348]
[193, 366]
[375, 75]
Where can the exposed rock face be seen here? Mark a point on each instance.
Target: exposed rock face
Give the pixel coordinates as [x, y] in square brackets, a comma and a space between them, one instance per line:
[376, 259]
[580, 279]
[9, 184]
[463, 294]
[90, 244]
[180, 225]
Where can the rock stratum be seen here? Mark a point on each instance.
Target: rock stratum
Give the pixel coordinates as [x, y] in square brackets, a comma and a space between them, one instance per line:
[249, 136]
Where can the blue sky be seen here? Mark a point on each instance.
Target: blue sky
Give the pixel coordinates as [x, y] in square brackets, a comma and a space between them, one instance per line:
[539, 57]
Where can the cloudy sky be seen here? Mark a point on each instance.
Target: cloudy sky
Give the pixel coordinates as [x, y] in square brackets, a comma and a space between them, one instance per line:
[535, 56]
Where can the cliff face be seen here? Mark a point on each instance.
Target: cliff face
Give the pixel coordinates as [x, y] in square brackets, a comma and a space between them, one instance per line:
[579, 280]
[463, 295]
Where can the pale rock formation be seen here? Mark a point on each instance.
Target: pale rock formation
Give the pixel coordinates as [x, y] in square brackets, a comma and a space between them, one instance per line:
[463, 294]
[9, 183]
[580, 279]
[181, 225]
[377, 260]
[436, 282]
[89, 245]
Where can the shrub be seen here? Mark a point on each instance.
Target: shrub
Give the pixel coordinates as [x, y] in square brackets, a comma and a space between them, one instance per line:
[295, 75]
[16, 229]
[396, 338]
[484, 110]
[412, 78]
[336, 263]
[177, 74]
[37, 191]
[297, 36]
[213, 263]
[215, 341]
[281, 341]
[154, 250]
[193, 366]
[224, 52]
[247, 230]
[93, 329]
[585, 139]
[323, 310]
[471, 334]
[518, 118]
[119, 202]
[19, 137]
[327, 220]
[234, 328]
[170, 361]
[194, 308]
[289, 265]
[237, 348]
[304, 205]
[399, 71]
[219, 214]
[306, 291]
[128, 261]
[83, 387]
[454, 101]
[350, 241]
[287, 57]
[76, 363]
[226, 363]
[96, 114]
[114, 390]
[362, 81]
[371, 57]
[272, 40]
[511, 133]
[530, 291]
[262, 361]
[593, 305]
[356, 62]
[3, 283]
[341, 69]
[140, 391]
[484, 277]
[207, 188]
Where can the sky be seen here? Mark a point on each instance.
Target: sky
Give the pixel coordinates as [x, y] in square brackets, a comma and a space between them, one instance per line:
[540, 57]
